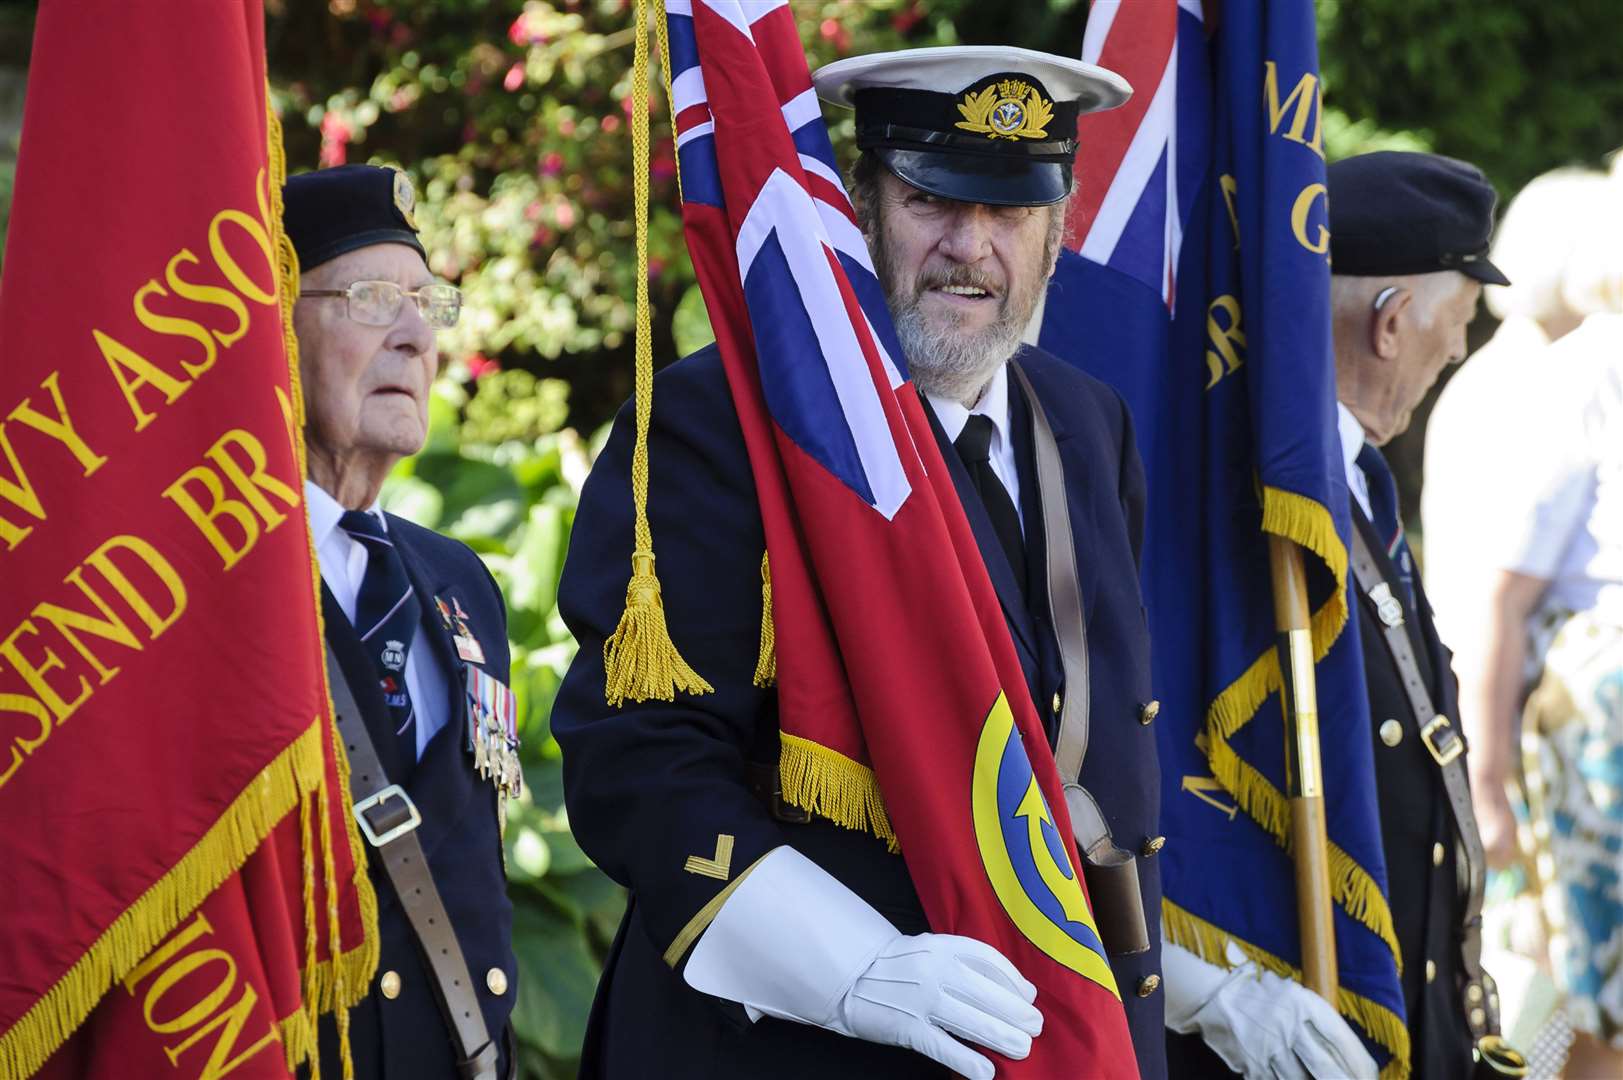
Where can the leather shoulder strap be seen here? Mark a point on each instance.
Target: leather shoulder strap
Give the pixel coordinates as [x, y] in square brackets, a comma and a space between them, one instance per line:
[389, 820]
[1446, 745]
[1111, 872]
[1064, 589]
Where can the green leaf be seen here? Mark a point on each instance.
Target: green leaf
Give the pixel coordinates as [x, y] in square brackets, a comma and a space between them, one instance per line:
[557, 975]
[538, 561]
[690, 324]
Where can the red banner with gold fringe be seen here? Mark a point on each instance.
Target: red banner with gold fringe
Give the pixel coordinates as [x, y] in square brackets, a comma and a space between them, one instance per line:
[184, 892]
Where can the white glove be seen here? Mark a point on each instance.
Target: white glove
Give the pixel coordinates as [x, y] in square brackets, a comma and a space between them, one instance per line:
[1262, 1026]
[795, 943]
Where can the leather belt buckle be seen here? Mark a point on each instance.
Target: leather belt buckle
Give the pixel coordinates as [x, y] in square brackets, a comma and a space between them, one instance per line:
[395, 821]
[1445, 754]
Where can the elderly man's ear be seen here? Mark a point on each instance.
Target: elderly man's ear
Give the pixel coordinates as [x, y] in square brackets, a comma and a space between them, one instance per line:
[1383, 323]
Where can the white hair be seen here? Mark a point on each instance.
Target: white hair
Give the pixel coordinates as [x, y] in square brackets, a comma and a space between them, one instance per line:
[1593, 282]
[1535, 242]
[1354, 296]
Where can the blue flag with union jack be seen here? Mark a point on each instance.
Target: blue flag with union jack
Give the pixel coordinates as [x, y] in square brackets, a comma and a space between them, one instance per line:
[902, 707]
[1199, 287]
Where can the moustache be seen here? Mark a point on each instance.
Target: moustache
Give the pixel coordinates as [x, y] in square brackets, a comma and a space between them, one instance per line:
[964, 277]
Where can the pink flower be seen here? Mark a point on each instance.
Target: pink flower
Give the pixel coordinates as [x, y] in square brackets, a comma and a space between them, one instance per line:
[480, 365]
[514, 78]
[564, 214]
[656, 267]
[335, 136]
[526, 30]
[552, 162]
[611, 124]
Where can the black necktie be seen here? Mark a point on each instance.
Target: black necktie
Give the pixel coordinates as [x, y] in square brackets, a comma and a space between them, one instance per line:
[386, 616]
[1383, 505]
[974, 446]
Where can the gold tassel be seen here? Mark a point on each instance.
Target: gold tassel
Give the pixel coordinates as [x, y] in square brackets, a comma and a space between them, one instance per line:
[766, 664]
[640, 661]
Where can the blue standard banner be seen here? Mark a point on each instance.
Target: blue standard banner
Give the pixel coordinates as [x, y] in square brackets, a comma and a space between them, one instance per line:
[1200, 288]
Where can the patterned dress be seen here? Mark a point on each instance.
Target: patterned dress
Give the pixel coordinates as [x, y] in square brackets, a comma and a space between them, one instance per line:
[1573, 759]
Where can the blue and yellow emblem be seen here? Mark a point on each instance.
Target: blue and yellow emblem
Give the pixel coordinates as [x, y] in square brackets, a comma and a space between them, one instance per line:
[1025, 856]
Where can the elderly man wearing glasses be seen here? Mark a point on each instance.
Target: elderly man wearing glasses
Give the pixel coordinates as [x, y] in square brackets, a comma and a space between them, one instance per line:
[416, 635]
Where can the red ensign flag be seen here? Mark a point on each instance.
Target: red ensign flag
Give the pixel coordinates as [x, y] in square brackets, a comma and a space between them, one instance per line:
[183, 891]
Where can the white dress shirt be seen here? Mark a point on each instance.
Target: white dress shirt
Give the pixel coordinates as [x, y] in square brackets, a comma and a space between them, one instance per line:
[343, 566]
[1352, 444]
[994, 405]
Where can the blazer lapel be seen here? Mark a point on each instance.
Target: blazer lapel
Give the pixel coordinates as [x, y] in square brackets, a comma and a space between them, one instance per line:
[997, 563]
[443, 781]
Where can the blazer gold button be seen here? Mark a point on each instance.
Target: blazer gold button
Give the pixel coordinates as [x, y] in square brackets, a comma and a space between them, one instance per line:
[1148, 985]
[1478, 1017]
[1473, 994]
[390, 984]
[1153, 845]
[496, 979]
[1437, 854]
[1057, 702]
[1431, 971]
[1391, 732]
[1148, 712]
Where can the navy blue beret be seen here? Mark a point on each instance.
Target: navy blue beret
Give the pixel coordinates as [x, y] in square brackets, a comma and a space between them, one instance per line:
[1397, 212]
[331, 212]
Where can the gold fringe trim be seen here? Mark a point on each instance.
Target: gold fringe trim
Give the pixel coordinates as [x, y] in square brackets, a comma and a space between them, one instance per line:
[827, 783]
[294, 774]
[338, 983]
[299, 1042]
[1188, 930]
[1305, 522]
[640, 660]
[766, 663]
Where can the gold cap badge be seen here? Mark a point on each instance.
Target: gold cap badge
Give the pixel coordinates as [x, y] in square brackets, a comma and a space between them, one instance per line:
[1011, 109]
[405, 197]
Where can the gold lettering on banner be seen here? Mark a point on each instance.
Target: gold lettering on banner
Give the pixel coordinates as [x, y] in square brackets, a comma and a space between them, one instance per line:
[1308, 98]
[68, 622]
[1299, 214]
[19, 492]
[1225, 337]
[1231, 189]
[133, 371]
[247, 512]
[129, 364]
[198, 1017]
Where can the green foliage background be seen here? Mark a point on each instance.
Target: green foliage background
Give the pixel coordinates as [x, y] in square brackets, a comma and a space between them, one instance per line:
[513, 117]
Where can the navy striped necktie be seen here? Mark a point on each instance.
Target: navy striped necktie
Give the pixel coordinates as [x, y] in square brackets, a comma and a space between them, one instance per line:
[1383, 505]
[386, 615]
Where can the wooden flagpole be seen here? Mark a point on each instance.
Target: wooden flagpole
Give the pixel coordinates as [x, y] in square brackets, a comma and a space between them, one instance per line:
[1304, 773]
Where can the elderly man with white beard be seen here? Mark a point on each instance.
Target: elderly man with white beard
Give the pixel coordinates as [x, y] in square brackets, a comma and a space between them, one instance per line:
[813, 957]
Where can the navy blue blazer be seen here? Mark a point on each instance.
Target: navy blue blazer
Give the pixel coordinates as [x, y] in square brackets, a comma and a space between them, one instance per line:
[405, 1037]
[1417, 828]
[650, 784]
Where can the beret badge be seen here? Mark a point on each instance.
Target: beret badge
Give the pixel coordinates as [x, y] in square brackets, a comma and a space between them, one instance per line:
[405, 197]
[1011, 109]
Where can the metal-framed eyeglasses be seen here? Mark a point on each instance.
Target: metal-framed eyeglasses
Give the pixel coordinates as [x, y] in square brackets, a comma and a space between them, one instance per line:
[377, 303]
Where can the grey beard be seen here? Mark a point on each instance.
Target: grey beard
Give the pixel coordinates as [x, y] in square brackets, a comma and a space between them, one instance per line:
[949, 363]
